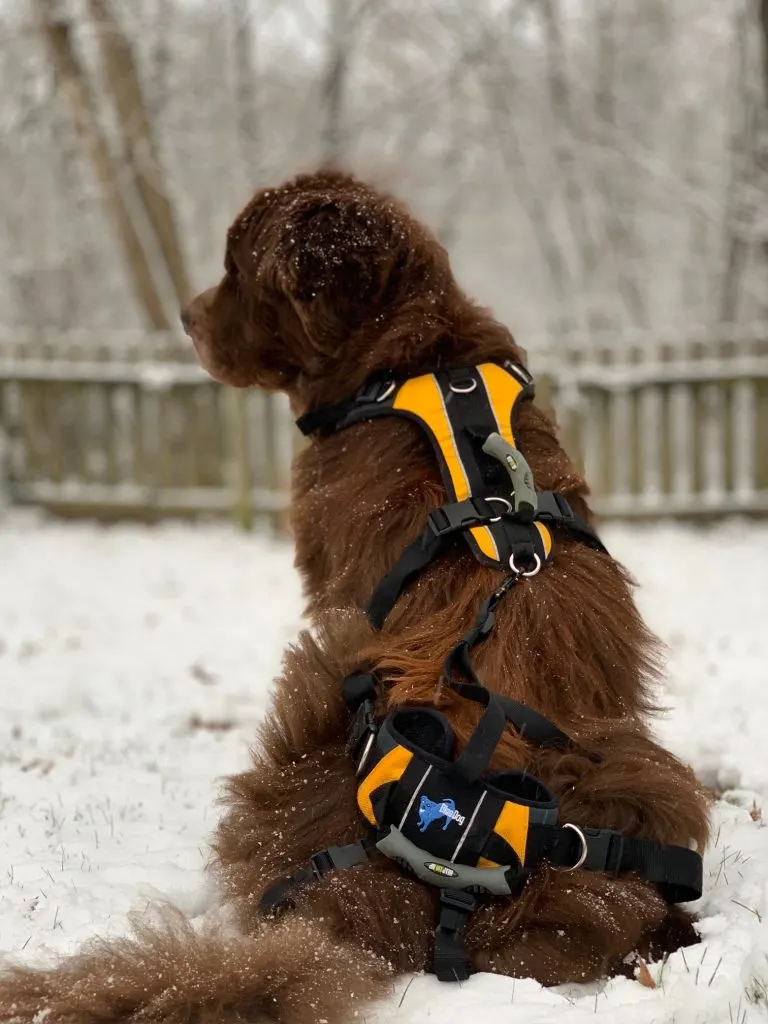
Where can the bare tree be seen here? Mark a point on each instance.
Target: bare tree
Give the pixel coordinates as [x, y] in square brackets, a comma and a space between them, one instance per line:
[74, 82]
[244, 66]
[746, 113]
[139, 147]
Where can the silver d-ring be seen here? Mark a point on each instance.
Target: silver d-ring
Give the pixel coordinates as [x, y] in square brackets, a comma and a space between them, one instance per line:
[530, 572]
[502, 501]
[583, 854]
[386, 392]
[472, 384]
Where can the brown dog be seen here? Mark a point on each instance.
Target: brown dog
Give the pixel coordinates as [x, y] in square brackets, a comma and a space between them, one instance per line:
[326, 282]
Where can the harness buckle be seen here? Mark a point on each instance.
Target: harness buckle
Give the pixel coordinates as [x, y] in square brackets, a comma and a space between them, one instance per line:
[554, 508]
[601, 850]
[450, 958]
[461, 515]
[363, 727]
[375, 390]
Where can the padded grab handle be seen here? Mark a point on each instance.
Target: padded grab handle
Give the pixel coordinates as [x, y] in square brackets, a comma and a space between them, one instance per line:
[443, 873]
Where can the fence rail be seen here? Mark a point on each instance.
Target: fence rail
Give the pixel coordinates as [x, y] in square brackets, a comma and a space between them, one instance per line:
[130, 425]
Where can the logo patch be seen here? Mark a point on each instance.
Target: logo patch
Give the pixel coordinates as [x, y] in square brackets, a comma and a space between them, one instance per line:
[441, 869]
[430, 811]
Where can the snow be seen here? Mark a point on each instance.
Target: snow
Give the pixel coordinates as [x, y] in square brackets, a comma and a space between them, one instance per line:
[135, 663]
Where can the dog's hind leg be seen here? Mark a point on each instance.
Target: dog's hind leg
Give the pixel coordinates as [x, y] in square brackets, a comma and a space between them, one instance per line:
[291, 972]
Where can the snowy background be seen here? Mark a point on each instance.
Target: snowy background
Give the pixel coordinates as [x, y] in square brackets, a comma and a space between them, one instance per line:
[135, 664]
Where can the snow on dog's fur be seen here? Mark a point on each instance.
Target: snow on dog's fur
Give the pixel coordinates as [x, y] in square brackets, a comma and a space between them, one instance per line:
[327, 281]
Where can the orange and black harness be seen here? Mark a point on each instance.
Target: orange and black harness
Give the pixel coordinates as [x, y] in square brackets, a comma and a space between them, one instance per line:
[445, 819]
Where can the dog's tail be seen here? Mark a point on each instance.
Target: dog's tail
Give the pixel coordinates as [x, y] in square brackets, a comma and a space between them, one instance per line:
[291, 972]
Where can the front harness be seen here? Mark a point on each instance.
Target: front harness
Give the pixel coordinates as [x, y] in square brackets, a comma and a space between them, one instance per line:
[445, 819]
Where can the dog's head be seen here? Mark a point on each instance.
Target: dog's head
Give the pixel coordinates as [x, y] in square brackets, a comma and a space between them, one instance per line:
[318, 273]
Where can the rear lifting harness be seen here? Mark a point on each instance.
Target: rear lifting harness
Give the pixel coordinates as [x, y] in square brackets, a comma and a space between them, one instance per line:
[443, 819]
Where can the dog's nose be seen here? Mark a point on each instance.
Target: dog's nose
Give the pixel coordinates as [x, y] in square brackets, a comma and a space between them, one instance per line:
[186, 320]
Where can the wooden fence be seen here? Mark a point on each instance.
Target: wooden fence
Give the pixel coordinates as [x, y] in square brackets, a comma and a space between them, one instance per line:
[673, 424]
[131, 426]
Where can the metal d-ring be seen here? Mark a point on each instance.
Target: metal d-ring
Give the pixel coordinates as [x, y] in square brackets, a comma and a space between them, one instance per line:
[472, 384]
[366, 752]
[507, 508]
[530, 572]
[584, 850]
[387, 391]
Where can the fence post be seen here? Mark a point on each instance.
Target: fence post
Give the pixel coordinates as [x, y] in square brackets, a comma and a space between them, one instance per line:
[239, 458]
[5, 497]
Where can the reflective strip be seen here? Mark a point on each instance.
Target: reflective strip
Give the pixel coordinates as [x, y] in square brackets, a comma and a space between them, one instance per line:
[388, 769]
[470, 823]
[422, 397]
[415, 793]
[512, 826]
[485, 541]
[503, 391]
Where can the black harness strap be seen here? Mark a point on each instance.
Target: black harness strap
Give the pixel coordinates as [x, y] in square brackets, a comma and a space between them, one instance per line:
[676, 870]
[459, 674]
[448, 520]
[365, 403]
[450, 961]
[280, 895]
[502, 824]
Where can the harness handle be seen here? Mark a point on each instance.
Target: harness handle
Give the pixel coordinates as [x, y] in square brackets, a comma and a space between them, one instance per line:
[523, 491]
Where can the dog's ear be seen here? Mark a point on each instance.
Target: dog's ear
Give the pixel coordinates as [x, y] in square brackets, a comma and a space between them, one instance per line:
[337, 259]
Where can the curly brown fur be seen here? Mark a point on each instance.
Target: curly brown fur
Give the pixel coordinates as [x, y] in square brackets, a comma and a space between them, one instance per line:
[328, 280]
[171, 974]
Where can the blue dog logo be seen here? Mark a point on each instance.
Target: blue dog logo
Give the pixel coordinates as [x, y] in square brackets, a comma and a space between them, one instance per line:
[430, 811]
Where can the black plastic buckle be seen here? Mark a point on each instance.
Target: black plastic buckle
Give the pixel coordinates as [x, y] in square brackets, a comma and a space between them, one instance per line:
[376, 389]
[450, 957]
[321, 863]
[455, 907]
[460, 516]
[358, 688]
[346, 856]
[554, 507]
[486, 618]
[516, 877]
[601, 850]
[363, 724]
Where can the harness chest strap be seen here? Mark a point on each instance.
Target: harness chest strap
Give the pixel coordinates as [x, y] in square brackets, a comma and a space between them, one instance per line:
[469, 415]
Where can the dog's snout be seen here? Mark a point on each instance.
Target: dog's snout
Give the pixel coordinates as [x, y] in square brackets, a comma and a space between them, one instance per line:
[187, 319]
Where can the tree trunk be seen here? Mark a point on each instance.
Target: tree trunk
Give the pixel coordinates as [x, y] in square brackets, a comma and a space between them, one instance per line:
[245, 90]
[742, 148]
[334, 80]
[617, 201]
[140, 148]
[74, 82]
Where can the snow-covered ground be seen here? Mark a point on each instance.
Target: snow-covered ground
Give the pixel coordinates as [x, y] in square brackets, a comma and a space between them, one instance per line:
[134, 664]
